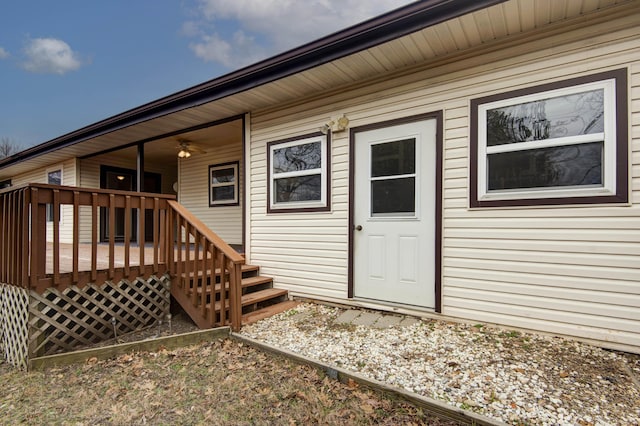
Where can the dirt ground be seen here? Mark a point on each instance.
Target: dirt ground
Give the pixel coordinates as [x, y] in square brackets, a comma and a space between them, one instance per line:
[222, 382]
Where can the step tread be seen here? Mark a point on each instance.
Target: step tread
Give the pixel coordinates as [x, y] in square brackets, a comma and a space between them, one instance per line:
[262, 295]
[245, 268]
[267, 312]
[256, 297]
[252, 281]
[246, 282]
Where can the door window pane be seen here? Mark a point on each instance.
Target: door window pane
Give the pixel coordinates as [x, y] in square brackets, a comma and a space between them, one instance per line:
[393, 158]
[393, 196]
[561, 116]
[569, 165]
[306, 156]
[300, 188]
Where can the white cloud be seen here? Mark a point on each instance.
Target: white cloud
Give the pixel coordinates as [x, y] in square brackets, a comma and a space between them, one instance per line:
[272, 26]
[239, 50]
[50, 56]
[3, 53]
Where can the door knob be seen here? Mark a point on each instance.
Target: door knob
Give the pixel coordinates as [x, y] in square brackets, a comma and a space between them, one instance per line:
[358, 228]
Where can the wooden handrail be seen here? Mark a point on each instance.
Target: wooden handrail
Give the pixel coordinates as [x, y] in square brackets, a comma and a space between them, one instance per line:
[203, 229]
[209, 281]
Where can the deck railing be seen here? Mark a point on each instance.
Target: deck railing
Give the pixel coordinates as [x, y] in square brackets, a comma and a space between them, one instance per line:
[31, 247]
[208, 271]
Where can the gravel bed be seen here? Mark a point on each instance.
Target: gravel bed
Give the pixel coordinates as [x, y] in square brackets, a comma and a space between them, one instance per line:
[510, 376]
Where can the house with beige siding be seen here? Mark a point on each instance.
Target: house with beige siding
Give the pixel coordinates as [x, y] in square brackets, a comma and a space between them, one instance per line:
[474, 161]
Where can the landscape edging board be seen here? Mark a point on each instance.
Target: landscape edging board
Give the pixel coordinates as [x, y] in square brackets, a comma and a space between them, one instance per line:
[430, 405]
[150, 345]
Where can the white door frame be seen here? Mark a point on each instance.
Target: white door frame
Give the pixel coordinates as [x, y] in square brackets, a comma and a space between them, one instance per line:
[437, 262]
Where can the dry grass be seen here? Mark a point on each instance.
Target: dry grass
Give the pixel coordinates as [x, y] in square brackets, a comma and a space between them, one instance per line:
[220, 383]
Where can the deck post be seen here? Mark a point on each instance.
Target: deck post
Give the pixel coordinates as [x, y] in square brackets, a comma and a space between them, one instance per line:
[235, 296]
[38, 238]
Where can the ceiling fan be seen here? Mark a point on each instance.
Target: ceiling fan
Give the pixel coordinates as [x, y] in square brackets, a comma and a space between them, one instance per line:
[186, 148]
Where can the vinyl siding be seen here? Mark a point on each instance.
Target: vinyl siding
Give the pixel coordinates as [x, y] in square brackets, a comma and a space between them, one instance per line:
[564, 269]
[226, 221]
[69, 178]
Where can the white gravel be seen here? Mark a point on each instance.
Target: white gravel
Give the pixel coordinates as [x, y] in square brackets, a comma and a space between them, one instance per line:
[506, 375]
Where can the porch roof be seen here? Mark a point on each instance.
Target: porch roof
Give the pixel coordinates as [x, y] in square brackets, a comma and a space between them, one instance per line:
[421, 34]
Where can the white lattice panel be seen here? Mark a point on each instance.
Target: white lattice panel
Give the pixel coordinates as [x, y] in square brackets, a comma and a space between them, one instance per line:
[63, 320]
[14, 315]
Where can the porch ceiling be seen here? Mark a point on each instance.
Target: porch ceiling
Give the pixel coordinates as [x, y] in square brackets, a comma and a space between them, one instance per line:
[484, 28]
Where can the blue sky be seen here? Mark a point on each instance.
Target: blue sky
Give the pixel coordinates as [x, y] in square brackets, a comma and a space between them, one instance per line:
[67, 64]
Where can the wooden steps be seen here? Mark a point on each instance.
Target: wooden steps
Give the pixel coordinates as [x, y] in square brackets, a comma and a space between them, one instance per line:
[246, 283]
[268, 311]
[262, 296]
[259, 298]
[255, 298]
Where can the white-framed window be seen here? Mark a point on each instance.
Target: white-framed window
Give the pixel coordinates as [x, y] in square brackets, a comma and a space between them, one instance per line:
[554, 144]
[299, 174]
[223, 184]
[54, 177]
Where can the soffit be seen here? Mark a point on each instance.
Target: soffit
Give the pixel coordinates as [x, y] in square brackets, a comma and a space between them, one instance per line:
[445, 40]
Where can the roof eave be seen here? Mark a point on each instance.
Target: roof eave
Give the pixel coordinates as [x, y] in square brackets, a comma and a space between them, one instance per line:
[397, 23]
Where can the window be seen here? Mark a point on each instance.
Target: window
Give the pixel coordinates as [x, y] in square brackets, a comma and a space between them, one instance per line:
[54, 177]
[393, 178]
[5, 184]
[223, 184]
[560, 143]
[299, 174]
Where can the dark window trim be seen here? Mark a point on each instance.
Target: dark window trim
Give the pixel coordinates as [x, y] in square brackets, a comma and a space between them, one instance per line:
[236, 184]
[622, 144]
[325, 208]
[438, 115]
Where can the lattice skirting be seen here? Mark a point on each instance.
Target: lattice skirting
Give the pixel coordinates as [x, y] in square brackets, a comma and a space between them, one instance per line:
[62, 321]
[14, 315]
[33, 324]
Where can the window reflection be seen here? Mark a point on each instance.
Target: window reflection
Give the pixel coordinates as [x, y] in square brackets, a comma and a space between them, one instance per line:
[306, 156]
[570, 165]
[560, 116]
[393, 158]
[301, 188]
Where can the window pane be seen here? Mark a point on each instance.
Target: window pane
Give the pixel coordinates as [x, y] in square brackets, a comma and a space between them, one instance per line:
[307, 156]
[222, 175]
[393, 158]
[301, 188]
[55, 177]
[393, 196]
[223, 193]
[538, 168]
[561, 116]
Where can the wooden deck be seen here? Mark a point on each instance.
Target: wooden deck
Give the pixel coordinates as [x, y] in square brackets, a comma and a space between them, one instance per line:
[84, 258]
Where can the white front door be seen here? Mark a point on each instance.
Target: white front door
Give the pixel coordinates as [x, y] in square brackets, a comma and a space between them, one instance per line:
[394, 214]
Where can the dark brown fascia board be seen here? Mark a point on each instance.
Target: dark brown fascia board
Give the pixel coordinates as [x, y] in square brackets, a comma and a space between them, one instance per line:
[397, 23]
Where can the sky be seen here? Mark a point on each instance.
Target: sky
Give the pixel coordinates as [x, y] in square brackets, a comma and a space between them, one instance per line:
[70, 63]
